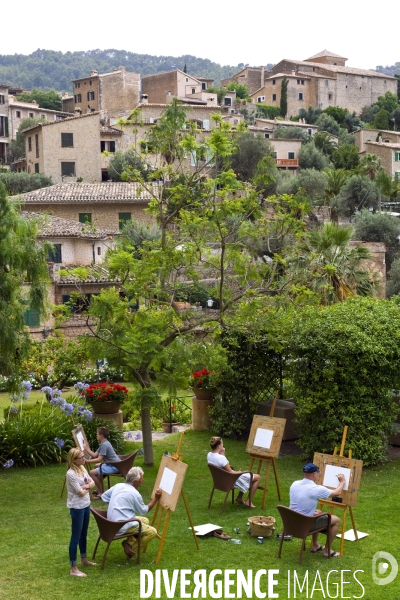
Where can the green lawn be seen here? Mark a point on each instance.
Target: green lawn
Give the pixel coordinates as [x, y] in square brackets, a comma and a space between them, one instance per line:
[35, 529]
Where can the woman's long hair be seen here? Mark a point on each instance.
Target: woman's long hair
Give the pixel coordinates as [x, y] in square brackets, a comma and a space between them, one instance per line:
[71, 457]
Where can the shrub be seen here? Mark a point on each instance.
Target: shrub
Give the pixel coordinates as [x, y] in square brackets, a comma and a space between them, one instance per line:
[345, 362]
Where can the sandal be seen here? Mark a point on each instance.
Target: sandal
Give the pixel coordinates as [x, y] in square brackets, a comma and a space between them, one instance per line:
[221, 535]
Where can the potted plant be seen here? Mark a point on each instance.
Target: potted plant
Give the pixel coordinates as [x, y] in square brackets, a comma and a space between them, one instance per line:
[105, 398]
[168, 415]
[202, 384]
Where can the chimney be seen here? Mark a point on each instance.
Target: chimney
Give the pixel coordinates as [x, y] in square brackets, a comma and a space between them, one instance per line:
[144, 99]
[77, 112]
[262, 76]
[293, 72]
[169, 96]
[93, 73]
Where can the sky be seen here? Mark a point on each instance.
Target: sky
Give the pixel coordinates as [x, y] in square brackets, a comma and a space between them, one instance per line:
[256, 34]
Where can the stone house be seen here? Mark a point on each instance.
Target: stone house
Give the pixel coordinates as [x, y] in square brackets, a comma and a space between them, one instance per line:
[285, 152]
[4, 127]
[252, 77]
[22, 110]
[74, 244]
[119, 90]
[320, 81]
[384, 144]
[162, 87]
[271, 125]
[104, 205]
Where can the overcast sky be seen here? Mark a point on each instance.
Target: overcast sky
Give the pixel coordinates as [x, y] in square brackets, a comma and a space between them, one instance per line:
[257, 33]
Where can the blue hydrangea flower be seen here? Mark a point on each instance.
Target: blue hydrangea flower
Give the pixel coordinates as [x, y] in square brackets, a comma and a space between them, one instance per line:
[80, 386]
[47, 390]
[9, 463]
[59, 442]
[13, 409]
[68, 409]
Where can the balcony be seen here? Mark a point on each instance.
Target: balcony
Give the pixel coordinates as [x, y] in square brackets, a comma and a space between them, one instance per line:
[287, 162]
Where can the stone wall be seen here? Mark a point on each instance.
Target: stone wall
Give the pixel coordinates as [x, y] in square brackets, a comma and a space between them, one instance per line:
[376, 264]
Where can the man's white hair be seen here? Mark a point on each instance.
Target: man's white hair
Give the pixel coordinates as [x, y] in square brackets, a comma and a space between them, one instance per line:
[134, 474]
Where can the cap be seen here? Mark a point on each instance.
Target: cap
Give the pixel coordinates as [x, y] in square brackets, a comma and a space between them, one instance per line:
[310, 468]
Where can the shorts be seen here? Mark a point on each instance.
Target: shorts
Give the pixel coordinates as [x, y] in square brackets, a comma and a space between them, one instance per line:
[107, 470]
[243, 483]
[321, 522]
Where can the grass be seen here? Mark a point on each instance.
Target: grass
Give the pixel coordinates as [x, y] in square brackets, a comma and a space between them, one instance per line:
[35, 529]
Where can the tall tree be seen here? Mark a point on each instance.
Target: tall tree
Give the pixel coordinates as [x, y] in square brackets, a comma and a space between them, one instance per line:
[23, 279]
[284, 96]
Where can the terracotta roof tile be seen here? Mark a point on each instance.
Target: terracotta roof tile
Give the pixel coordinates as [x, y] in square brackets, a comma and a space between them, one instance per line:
[75, 193]
[51, 226]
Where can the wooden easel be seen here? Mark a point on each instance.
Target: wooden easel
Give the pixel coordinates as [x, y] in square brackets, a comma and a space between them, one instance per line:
[164, 508]
[341, 505]
[268, 461]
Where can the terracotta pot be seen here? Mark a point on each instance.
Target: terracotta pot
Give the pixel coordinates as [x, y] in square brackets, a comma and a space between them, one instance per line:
[106, 408]
[202, 394]
[167, 427]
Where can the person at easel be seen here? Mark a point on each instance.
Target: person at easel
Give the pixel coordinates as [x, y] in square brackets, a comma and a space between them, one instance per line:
[217, 457]
[304, 496]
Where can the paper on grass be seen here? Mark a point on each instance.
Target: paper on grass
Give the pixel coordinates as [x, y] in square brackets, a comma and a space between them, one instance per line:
[330, 479]
[168, 480]
[204, 529]
[263, 437]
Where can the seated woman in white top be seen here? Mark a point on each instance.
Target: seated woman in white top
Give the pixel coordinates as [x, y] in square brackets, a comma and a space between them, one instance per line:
[217, 457]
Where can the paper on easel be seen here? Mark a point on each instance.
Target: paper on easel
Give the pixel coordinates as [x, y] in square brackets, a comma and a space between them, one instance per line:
[350, 535]
[330, 477]
[167, 480]
[263, 437]
[80, 439]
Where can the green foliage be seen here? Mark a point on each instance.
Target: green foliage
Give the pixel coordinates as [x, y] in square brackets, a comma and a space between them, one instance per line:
[327, 123]
[388, 102]
[240, 88]
[345, 361]
[267, 111]
[345, 157]
[381, 119]
[17, 146]
[310, 115]
[221, 92]
[122, 164]
[357, 193]
[252, 370]
[50, 100]
[47, 69]
[337, 113]
[283, 105]
[368, 113]
[291, 133]
[20, 183]
[22, 262]
[379, 227]
[312, 158]
[393, 279]
[250, 151]
[311, 181]
[324, 142]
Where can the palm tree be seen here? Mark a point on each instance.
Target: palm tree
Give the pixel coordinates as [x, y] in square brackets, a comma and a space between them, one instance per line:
[336, 178]
[369, 165]
[326, 264]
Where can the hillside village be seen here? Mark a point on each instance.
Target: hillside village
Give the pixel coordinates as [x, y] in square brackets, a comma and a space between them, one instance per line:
[111, 113]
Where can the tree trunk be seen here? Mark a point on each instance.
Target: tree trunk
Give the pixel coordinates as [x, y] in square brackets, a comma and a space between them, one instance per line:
[147, 439]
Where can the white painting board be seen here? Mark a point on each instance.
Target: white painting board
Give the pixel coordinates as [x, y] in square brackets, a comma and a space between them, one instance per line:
[330, 477]
[263, 437]
[80, 439]
[79, 435]
[167, 480]
[205, 529]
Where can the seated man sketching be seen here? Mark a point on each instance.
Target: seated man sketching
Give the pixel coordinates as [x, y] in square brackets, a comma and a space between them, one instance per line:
[124, 502]
[304, 496]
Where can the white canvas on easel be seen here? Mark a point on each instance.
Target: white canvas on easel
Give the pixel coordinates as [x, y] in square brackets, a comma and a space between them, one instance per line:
[330, 476]
[263, 437]
[168, 480]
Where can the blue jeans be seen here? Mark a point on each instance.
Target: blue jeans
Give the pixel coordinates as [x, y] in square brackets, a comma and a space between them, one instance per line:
[80, 523]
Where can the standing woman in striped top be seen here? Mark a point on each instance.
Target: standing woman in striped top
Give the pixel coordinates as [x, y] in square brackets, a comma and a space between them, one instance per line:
[78, 485]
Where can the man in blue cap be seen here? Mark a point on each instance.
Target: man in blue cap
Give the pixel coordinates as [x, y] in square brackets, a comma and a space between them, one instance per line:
[304, 496]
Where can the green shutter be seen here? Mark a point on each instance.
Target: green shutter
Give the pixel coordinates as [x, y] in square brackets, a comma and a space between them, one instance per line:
[6, 126]
[396, 156]
[31, 318]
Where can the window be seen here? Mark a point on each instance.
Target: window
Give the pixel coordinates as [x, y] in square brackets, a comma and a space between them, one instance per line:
[300, 95]
[228, 101]
[30, 115]
[67, 140]
[90, 82]
[18, 114]
[206, 124]
[98, 251]
[203, 86]
[31, 318]
[54, 255]
[273, 97]
[90, 95]
[274, 155]
[2, 99]
[85, 218]
[68, 169]
[187, 79]
[29, 144]
[397, 156]
[260, 98]
[330, 96]
[78, 98]
[273, 82]
[290, 155]
[123, 218]
[4, 126]
[193, 90]
[302, 82]
[298, 82]
[36, 167]
[37, 145]
[266, 135]
[77, 85]
[107, 146]
[309, 131]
